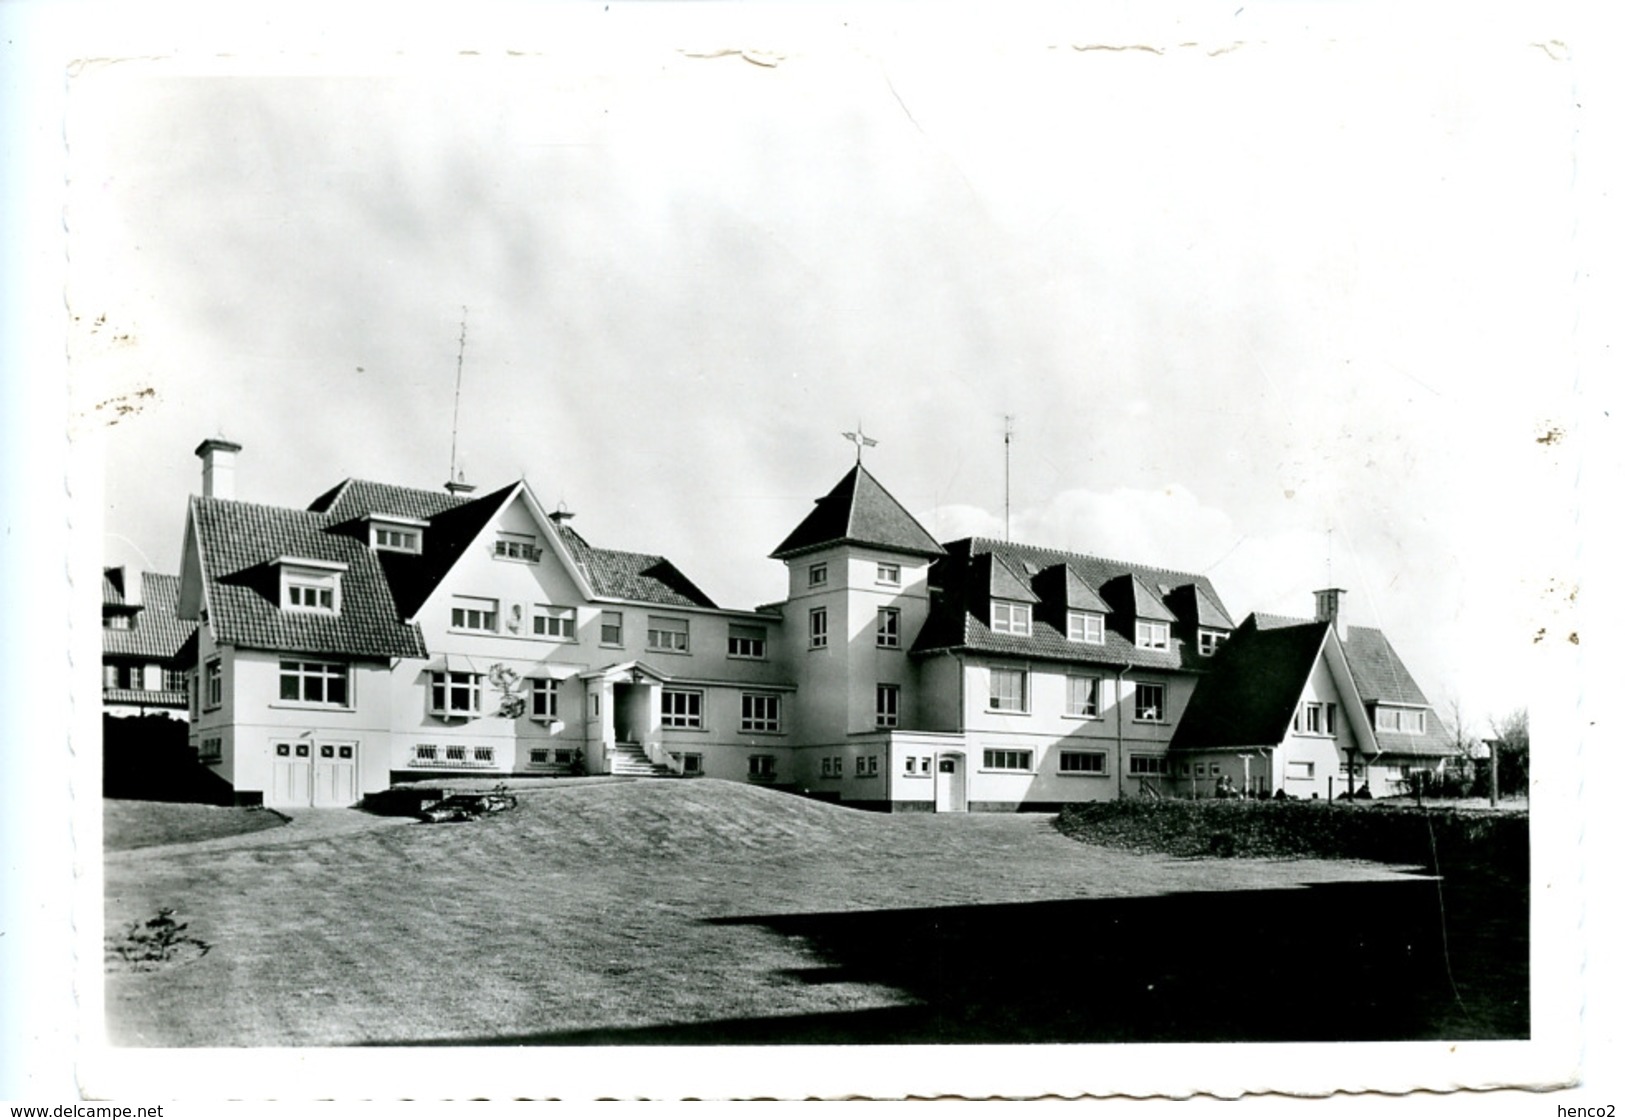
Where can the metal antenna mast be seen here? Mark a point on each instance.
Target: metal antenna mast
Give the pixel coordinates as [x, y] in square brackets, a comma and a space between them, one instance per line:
[457, 398]
[1009, 428]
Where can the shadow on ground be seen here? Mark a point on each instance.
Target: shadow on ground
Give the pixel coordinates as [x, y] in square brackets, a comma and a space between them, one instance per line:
[1338, 961]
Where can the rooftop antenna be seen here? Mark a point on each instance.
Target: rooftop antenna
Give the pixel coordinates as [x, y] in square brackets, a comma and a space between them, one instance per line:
[457, 397]
[1009, 430]
[860, 441]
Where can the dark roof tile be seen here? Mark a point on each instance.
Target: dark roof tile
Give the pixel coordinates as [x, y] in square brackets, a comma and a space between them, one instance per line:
[859, 511]
[155, 631]
[639, 577]
[1249, 697]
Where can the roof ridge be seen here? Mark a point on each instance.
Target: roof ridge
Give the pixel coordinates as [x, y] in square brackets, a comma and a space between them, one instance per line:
[1195, 576]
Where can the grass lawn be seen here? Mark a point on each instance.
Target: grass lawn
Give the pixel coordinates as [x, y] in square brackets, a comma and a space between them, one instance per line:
[703, 911]
[144, 824]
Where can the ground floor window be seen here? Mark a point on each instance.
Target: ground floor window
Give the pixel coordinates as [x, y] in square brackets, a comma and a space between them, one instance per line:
[1147, 764]
[544, 699]
[868, 766]
[1083, 762]
[830, 766]
[1300, 769]
[764, 766]
[315, 682]
[454, 694]
[681, 708]
[1007, 760]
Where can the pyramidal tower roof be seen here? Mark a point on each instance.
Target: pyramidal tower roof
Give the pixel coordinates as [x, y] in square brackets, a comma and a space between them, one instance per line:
[859, 511]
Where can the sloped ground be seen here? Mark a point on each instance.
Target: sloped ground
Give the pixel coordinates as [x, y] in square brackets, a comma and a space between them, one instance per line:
[615, 912]
[143, 824]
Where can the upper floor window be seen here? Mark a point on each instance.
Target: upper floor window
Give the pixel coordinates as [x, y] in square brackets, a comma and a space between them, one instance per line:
[454, 694]
[886, 702]
[544, 699]
[553, 622]
[682, 708]
[818, 628]
[397, 536]
[1151, 703]
[469, 613]
[747, 641]
[213, 684]
[1086, 626]
[1083, 696]
[174, 680]
[116, 622]
[1151, 635]
[1008, 690]
[609, 628]
[817, 575]
[1405, 721]
[516, 546]
[889, 628]
[670, 634]
[759, 712]
[314, 682]
[1209, 641]
[311, 585]
[1315, 718]
[889, 574]
[1012, 618]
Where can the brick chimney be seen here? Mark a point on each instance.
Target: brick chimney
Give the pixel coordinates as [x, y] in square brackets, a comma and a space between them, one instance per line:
[219, 467]
[1328, 604]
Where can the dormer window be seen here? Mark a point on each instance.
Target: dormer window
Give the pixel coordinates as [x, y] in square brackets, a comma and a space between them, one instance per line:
[311, 585]
[1209, 641]
[517, 546]
[1404, 721]
[1086, 626]
[396, 534]
[1151, 635]
[1012, 618]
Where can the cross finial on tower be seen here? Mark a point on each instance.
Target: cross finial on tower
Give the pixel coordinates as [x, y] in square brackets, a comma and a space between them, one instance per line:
[859, 440]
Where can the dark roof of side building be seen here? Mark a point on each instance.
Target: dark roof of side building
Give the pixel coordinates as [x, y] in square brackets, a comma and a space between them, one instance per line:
[156, 633]
[859, 511]
[1249, 697]
[962, 587]
[640, 577]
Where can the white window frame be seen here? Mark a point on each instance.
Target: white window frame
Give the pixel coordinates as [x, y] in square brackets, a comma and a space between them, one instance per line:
[1088, 627]
[1158, 711]
[747, 640]
[689, 715]
[761, 711]
[1006, 699]
[605, 625]
[1091, 710]
[817, 575]
[818, 628]
[301, 673]
[214, 684]
[1151, 635]
[544, 699]
[1097, 770]
[888, 703]
[396, 536]
[1298, 769]
[888, 628]
[1209, 641]
[668, 634]
[445, 686]
[552, 623]
[1007, 759]
[465, 608]
[1015, 619]
[1148, 765]
[889, 575]
[312, 595]
[1393, 721]
[521, 547]
[174, 680]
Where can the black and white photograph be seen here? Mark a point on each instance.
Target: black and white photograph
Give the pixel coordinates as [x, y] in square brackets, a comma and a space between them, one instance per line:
[714, 549]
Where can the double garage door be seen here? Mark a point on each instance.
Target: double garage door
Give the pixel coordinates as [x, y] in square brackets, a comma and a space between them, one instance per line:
[321, 773]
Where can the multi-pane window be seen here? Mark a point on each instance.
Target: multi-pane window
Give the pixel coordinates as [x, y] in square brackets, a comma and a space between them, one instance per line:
[1209, 641]
[889, 574]
[818, 628]
[558, 623]
[469, 613]
[208, 750]
[764, 766]
[396, 540]
[212, 684]
[544, 699]
[1316, 718]
[1407, 721]
[310, 596]
[886, 705]
[745, 640]
[609, 628]
[758, 712]
[1086, 626]
[425, 752]
[1147, 764]
[867, 766]
[314, 682]
[516, 546]
[1007, 760]
[452, 694]
[1012, 618]
[1083, 762]
[889, 628]
[174, 680]
[669, 634]
[817, 575]
[1007, 690]
[1150, 703]
[830, 767]
[116, 622]
[681, 707]
[1083, 696]
[1151, 635]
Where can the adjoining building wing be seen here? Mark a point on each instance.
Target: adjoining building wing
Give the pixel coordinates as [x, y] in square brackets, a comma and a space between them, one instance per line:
[634, 576]
[1399, 712]
[1251, 695]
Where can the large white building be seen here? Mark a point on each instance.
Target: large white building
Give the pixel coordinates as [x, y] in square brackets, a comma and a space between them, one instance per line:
[385, 634]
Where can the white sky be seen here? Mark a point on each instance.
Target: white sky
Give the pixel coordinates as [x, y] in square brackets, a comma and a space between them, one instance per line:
[1282, 313]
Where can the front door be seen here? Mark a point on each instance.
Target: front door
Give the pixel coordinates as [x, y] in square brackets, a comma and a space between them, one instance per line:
[335, 776]
[951, 783]
[290, 774]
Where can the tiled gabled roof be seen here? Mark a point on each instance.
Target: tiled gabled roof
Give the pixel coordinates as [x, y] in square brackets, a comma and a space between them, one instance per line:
[356, 497]
[414, 576]
[240, 542]
[958, 618]
[1381, 678]
[155, 631]
[637, 576]
[1252, 691]
[859, 511]
[112, 593]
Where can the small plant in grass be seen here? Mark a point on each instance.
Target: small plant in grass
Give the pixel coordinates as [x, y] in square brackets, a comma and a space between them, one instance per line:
[158, 941]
